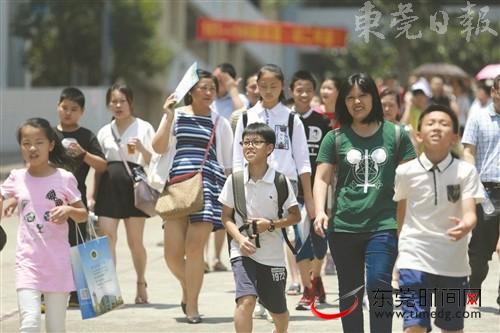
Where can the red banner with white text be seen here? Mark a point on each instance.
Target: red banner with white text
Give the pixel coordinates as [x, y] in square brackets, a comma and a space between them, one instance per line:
[271, 32]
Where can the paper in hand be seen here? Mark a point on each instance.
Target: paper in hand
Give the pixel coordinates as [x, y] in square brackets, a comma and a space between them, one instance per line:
[189, 79]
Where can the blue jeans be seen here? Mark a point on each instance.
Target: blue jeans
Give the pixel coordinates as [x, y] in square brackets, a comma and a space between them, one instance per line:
[375, 253]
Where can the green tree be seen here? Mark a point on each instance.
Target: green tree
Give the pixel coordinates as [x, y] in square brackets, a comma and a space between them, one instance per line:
[136, 51]
[65, 40]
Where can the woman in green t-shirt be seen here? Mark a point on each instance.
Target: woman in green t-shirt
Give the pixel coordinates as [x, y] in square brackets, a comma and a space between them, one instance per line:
[362, 231]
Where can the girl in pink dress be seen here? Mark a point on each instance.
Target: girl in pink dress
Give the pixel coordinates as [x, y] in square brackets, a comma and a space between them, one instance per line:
[47, 196]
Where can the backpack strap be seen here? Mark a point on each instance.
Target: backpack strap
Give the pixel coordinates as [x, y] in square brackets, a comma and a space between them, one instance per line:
[282, 189]
[397, 133]
[240, 206]
[291, 119]
[244, 117]
[338, 143]
[239, 194]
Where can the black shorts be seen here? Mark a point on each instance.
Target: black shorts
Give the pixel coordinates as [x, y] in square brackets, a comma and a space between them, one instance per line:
[266, 282]
[115, 195]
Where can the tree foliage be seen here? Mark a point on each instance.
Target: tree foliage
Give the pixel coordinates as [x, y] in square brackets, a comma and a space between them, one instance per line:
[64, 40]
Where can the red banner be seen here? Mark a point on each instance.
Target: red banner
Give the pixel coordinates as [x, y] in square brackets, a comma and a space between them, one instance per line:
[270, 32]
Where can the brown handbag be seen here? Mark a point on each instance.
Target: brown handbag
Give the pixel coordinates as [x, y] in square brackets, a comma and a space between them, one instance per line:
[183, 195]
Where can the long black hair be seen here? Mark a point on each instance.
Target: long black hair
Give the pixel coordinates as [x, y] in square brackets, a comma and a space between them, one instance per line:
[368, 86]
[278, 73]
[202, 74]
[58, 156]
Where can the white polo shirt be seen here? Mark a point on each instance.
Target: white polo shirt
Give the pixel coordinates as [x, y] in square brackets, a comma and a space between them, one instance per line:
[262, 202]
[433, 194]
[289, 158]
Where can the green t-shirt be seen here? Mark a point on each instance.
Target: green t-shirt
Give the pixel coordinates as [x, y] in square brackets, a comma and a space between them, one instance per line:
[365, 179]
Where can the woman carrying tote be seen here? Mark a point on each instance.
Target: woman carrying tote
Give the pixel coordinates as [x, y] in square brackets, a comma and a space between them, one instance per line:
[185, 133]
[129, 136]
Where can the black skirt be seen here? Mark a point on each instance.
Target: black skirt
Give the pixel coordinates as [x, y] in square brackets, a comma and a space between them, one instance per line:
[115, 195]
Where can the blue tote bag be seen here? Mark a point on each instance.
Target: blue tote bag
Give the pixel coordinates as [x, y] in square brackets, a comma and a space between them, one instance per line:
[95, 277]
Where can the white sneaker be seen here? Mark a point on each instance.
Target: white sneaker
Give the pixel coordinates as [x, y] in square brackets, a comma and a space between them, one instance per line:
[259, 312]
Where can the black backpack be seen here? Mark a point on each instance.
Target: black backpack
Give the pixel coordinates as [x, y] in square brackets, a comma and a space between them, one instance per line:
[241, 209]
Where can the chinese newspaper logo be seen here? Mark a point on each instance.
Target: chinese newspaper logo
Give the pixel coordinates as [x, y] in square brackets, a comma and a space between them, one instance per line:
[472, 21]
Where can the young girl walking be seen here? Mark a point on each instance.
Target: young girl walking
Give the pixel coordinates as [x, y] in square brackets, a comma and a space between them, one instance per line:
[47, 196]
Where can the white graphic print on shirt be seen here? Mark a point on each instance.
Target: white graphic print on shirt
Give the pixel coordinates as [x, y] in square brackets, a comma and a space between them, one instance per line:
[282, 141]
[365, 167]
[315, 134]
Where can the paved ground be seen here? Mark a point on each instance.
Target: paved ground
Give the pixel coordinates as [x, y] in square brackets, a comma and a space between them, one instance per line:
[216, 300]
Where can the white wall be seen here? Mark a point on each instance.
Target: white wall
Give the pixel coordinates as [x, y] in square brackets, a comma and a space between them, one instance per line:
[17, 105]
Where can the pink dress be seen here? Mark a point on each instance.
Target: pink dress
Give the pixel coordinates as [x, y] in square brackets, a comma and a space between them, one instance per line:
[43, 252]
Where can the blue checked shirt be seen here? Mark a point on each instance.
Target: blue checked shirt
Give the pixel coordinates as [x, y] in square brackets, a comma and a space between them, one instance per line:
[483, 131]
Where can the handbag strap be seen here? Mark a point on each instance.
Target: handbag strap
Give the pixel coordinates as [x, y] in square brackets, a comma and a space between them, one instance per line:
[120, 152]
[210, 142]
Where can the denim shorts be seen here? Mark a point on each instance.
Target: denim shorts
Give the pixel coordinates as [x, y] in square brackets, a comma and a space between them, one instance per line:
[417, 288]
[266, 282]
[314, 247]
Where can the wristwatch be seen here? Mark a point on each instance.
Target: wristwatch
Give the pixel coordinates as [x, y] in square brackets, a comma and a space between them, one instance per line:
[271, 226]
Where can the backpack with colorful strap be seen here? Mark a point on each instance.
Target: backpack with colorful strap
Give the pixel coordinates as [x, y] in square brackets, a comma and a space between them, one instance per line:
[240, 207]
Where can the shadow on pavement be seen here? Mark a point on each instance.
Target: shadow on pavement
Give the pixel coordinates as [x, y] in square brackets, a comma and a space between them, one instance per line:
[208, 320]
[489, 309]
[159, 306]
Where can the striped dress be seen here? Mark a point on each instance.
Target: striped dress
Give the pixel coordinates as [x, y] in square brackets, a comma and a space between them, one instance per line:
[193, 133]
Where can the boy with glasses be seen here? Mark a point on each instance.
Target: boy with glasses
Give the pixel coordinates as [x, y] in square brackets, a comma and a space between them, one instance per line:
[258, 271]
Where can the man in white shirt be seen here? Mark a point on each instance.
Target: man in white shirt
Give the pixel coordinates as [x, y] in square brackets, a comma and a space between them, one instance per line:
[228, 97]
[481, 141]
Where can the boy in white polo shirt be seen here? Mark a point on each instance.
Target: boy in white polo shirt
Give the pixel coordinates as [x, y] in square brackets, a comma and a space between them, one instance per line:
[258, 266]
[437, 195]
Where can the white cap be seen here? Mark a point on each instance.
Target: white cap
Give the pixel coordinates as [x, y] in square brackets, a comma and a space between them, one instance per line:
[422, 84]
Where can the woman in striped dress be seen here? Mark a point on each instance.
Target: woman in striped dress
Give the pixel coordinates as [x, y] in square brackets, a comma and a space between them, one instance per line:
[185, 133]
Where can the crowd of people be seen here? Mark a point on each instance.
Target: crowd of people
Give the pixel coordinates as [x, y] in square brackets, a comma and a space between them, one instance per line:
[365, 168]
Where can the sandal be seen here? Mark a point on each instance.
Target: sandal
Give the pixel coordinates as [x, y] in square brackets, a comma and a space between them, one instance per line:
[141, 299]
[219, 266]
[193, 319]
[183, 307]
